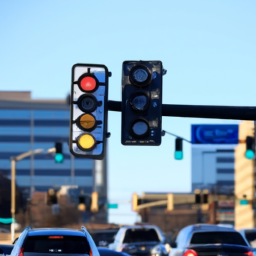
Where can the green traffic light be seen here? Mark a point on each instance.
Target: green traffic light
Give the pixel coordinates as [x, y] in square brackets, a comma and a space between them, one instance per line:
[178, 155]
[249, 154]
[59, 158]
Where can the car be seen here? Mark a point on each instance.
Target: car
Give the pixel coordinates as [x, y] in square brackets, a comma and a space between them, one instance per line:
[54, 241]
[250, 236]
[140, 240]
[103, 237]
[7, 249]
[207, 235]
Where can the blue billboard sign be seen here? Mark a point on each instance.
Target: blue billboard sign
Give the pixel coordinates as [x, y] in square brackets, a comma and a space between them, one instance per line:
[214, 133]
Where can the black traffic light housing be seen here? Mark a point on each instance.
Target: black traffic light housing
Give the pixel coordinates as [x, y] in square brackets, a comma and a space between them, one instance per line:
[198, 197]
[142, 103]
[89, 113]
[250, 147]
[178, 154]
[59, 157]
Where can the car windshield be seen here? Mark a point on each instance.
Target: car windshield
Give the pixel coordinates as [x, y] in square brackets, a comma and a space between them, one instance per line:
[251, 237]
[57, 244]
[141, 235]
[218, 238]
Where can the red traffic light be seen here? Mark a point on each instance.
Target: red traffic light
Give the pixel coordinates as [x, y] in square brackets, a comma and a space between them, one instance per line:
[88, 84]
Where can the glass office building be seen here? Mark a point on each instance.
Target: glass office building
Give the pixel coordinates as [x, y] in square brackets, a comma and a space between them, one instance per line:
[27, 124]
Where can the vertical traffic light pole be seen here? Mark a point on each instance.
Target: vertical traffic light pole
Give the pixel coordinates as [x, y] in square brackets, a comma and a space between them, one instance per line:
[13, 187]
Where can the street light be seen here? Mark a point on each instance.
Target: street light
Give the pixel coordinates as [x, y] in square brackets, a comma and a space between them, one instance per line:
[13, 192]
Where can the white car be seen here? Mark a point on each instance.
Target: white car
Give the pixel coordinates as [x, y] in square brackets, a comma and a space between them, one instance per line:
[137, 235]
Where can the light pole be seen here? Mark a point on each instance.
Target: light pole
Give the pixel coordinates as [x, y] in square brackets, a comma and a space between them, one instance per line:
[13, 178]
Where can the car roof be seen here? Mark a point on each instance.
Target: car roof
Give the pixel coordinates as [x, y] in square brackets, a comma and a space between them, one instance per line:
[211, 228]
[55, 231]
[139, 226]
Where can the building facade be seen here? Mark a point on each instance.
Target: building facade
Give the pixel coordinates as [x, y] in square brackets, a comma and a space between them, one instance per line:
[27, 124]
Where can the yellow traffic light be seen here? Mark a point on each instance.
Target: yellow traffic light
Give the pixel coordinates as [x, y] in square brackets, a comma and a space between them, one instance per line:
[170, 202]
[134, 202]
[94, 204]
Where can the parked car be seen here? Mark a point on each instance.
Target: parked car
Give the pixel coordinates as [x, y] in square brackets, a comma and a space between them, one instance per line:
[140, 240]
[54, 241]
[207, 237]
[250, 236]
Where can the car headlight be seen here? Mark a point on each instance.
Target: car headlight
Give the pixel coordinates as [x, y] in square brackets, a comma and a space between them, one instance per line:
[159, 249]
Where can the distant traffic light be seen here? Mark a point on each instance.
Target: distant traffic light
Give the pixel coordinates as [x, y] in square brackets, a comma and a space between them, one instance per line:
[84, 203]
[170, 202]
[95, 203]
[178, 154]
[198, 197]
[89, 97]
[142, 103]
[250, 147]
[134, 202]
[205, 196]
[58, 155]
[52, 197]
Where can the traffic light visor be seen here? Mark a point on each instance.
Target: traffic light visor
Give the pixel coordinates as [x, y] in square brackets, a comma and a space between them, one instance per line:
[87, 121]
[139, 101]
[88, 84]
[86, 142]
[140, 128]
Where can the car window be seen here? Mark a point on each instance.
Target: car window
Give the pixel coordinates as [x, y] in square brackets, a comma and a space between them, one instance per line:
[251, 237]
[141, 235]
[57, 244]
[217, 238]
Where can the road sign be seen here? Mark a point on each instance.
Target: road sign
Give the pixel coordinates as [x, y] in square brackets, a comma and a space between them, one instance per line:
[243, 202]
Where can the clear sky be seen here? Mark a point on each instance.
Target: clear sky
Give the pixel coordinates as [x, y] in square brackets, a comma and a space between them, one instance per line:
[208, 48]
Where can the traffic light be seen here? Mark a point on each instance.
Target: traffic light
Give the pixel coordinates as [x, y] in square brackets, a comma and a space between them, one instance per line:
[134, 202]
[142, 103]
[84, 203]
[89, 96]
[250, 147]
[94, 204]
[51, 197]
[58, 155]
[205, 196]
[197, 193]
[178, 149]
[170, 202]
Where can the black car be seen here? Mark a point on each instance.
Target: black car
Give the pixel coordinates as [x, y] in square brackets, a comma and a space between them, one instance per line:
[218, 250]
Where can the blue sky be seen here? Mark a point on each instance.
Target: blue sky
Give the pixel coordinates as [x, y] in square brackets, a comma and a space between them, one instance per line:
[208, 48]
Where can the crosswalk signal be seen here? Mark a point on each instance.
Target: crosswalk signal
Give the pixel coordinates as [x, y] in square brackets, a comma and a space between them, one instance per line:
[89, 96]
[59, 157]
[250, 147]
[142, 103]
[178, 154]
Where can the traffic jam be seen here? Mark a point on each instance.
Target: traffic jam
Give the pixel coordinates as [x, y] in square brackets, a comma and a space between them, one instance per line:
[140, 240]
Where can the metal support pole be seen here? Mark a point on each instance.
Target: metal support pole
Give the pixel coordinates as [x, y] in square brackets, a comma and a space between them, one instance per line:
[199, 111]
[13, 196]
